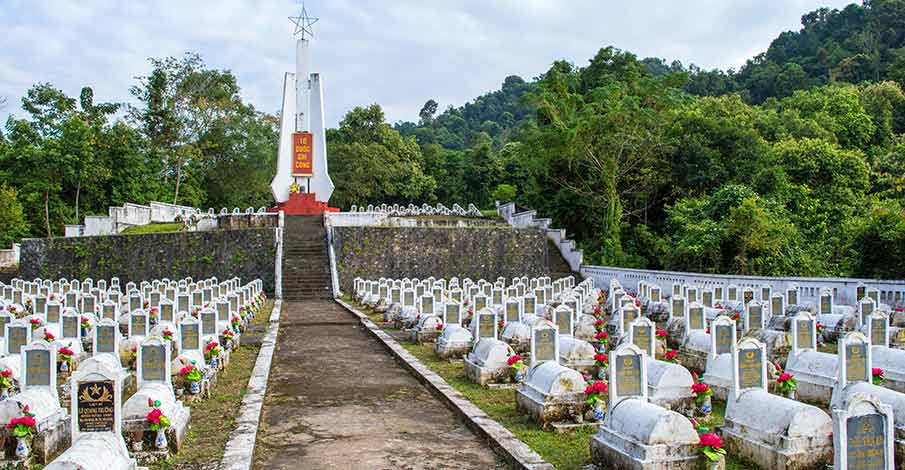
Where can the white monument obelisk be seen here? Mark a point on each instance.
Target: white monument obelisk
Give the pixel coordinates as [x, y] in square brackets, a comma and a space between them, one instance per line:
[303, 112]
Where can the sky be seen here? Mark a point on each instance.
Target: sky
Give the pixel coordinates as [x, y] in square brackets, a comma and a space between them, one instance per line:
[398, 53]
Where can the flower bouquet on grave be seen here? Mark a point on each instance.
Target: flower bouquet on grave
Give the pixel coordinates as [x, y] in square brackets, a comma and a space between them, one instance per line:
[132, 356]
[601, 360]
[786, 385]
[228, 336]
[595, 393]
[820, 327]
[702, 395]
[6, 383]
[167, 335]
[236, 323]
[212, 353]
[49, 337]
[195, 312]
[736, 316]
[601, 337]
[85, 324]
[28, 305]
[153, 316]
[22, 428]
[711, 446]
[157, 422]
[877, 376]
[597, 311]
[500, 324]
[34, 322]
[439, 328]
[64, 356]
[192, 375]
[516, 364]
[13, 310]
[670, 356]
[661, 336]
[599, 325]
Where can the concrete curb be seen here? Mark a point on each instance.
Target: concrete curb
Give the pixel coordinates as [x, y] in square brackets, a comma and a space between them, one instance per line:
[240, 448]
[515, 452]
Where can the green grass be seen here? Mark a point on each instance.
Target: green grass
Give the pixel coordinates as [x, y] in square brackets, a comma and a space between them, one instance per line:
[566, 451]
[214, 419]
[152, 228]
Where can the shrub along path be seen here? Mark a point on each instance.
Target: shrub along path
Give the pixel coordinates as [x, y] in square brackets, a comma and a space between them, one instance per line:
[336, 399]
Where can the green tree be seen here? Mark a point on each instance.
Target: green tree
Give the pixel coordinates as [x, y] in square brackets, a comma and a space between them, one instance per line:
[13, 225]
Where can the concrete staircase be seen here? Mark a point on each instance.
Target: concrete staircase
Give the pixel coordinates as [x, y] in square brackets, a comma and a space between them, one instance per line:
[306, 265]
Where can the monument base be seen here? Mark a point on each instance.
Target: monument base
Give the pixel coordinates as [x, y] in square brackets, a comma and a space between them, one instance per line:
[303, 204]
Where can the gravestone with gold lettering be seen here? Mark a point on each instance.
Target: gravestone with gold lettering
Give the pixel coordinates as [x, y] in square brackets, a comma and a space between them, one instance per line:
[890, 360]
[454, 340]
[755, 417]
[96, 426]
[154, 384]
[718, 372]
[71, 331]
[863, 435]
[190, 342]
[487, 361]
[753, 318]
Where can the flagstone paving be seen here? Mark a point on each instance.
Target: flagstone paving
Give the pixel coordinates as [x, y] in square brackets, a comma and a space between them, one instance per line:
[336, 399]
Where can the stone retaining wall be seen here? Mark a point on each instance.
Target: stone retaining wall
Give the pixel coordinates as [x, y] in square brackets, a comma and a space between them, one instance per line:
[246, 253]
[374, 252]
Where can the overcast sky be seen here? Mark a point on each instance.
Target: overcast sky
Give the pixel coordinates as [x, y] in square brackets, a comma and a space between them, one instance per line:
[398, 53]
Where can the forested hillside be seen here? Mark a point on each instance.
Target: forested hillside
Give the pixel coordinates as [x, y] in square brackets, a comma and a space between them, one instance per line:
[792, 165]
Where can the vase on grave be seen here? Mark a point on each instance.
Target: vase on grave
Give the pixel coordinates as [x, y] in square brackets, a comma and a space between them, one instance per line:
[790, 394]
[64, 367]
[195, 387]
[22, 448]
[706, 405]
[599, 407]
[601, 372]
[4, 394]
[160, 441]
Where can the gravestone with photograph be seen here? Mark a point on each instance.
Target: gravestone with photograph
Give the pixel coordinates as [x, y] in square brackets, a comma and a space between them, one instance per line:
[769, 430]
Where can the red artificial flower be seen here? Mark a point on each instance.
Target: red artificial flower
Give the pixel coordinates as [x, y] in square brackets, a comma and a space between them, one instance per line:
[708, 330]
[736, 316]
[439, 326]
[597, 309]
[877, 372]
[596, 387]
[670, 355]
[27, 421]
[710, 439]
[499, 324]
[185, 370]
[66, 352]
[154, 416]
[167, 333]
[211, 345]
[599, 323]
[48, 336]
[699, 387]
[6, 373]
[601, 357]
[784, 376]
[513, 359]
[631, 294]
[35, 321]
[637, 303]
[661, 334]
[601, 335]
[899, 309]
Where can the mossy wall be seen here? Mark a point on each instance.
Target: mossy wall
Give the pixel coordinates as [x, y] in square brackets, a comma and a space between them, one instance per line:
[396, 252]
[246, 253]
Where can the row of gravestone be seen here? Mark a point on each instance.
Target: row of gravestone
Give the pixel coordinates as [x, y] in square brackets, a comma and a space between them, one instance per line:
[423, 210]
[153, 349]
[752, 420]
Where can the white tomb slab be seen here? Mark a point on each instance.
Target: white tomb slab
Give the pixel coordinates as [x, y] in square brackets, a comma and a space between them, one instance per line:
[815, 372]
[487, 362]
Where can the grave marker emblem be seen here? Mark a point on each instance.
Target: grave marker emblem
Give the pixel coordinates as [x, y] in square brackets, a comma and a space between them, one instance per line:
[96, 406]
[749, 368]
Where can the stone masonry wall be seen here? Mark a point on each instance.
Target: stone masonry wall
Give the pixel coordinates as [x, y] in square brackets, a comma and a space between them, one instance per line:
[374, 252]
[246, 253]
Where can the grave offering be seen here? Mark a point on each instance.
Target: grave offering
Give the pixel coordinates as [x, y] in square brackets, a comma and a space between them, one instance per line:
[425, 331]
[155, 390]
[636, 434]
[97, 442]
[769, 430]
[815, 372]
[552, 395]
[39, 394]
[487, 362]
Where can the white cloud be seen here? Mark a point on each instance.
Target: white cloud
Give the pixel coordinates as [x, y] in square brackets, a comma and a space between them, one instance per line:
[398, 53]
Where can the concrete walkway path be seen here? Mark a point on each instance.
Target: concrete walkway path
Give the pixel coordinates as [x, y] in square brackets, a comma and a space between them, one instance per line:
[336, 399]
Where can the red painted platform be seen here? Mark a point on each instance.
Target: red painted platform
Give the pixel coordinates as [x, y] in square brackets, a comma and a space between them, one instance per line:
[303, 204]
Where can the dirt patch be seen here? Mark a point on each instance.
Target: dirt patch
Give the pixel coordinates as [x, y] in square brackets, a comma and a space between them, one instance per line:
[337, 399]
